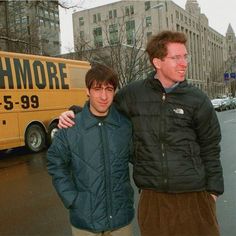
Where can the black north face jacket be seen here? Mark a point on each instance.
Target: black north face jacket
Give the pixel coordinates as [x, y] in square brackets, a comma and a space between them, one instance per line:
[176, 137]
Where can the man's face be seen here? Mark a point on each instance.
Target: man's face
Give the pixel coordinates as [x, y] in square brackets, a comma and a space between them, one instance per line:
[172, 68]
[100, 97]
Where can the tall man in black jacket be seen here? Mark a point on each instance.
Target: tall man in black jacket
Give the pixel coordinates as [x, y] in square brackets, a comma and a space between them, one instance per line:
[176, 144]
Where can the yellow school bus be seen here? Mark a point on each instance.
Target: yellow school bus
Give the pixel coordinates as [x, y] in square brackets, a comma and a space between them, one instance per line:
[34, 90]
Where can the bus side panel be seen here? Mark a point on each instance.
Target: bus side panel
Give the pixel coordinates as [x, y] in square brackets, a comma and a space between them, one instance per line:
[61, 99]
[9, 131]
[51, 106]
[37, 106]
[36, 89]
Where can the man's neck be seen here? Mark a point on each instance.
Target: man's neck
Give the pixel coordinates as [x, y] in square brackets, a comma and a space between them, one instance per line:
[166, 85]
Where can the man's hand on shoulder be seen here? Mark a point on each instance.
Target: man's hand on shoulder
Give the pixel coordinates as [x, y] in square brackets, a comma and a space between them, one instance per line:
[66, 119]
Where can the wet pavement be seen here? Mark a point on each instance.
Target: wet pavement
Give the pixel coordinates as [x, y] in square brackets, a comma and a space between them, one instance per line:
[29, 205]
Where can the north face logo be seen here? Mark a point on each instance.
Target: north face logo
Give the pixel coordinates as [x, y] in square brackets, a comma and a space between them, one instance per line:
[178, 111]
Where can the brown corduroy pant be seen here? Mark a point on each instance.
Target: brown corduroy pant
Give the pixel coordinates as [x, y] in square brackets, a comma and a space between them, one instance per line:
[181, 214]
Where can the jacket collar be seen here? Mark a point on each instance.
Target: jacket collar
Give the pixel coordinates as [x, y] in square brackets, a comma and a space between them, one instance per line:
[89, 120]
[154, 83]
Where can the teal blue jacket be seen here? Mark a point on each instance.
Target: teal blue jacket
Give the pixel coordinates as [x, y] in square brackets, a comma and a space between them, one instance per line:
[89, 165]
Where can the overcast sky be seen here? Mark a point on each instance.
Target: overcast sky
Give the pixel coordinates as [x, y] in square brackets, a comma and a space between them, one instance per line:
[219, 13]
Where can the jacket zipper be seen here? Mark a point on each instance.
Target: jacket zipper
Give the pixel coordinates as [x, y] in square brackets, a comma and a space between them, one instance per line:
[163, 151]
[163, 97]
[107, 171]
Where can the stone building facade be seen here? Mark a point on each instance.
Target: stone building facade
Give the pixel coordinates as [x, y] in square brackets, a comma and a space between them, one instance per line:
[230, 64]
[30, 27]
[102, 26]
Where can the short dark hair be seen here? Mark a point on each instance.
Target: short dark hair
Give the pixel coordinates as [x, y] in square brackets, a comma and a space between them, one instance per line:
[157, 45]
[101, 74]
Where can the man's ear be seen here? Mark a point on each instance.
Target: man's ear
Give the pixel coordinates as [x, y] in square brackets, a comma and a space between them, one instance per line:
[88, 93]
[157, 63]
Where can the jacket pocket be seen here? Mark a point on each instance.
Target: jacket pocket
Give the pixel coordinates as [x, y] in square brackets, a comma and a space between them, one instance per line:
[195, 157]
[83, 203]
[80, 212]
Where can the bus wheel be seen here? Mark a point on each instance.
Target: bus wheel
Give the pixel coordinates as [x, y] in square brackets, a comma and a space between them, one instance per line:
[35, 138]
[51, 132]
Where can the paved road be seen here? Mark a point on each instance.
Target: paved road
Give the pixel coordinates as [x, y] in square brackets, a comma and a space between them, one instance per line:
[28, 202]
[30, 206]
[226, 205]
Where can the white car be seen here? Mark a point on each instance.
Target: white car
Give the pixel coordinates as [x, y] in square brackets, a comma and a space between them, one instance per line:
[218, 104]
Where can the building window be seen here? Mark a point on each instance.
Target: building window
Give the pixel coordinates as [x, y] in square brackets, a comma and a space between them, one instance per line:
[178, 27]
[56, 43]
[56, 15]
[97, 34]
[147, 5]
[110, 14]
[113, 34]
[94, 18]
[41, 22]
[81, 21]
[99, 17]
[51, 15]
[127, 11]
[148, 21]
[41, 12]
[45, 41]
[81, 35]
[46, 13]
[149, 34]
[51, 24]
[115, 13]
[177, 14]
[131, 10]
[24, 20]
[130, 31]
[17, 20]
[186, 20]
[56, 25]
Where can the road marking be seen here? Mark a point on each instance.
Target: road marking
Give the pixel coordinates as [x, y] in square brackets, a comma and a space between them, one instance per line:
[228, 121]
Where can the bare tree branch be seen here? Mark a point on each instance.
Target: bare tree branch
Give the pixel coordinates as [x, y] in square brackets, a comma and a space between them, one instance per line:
[129, 60]
[16, 40]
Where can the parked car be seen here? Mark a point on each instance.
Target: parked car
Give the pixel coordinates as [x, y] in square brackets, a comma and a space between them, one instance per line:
[218, 104]
[226, 103]
[234, 102]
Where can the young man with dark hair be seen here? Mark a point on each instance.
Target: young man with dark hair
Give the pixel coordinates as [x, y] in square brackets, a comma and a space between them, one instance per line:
[89, 163]
[176, 137]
